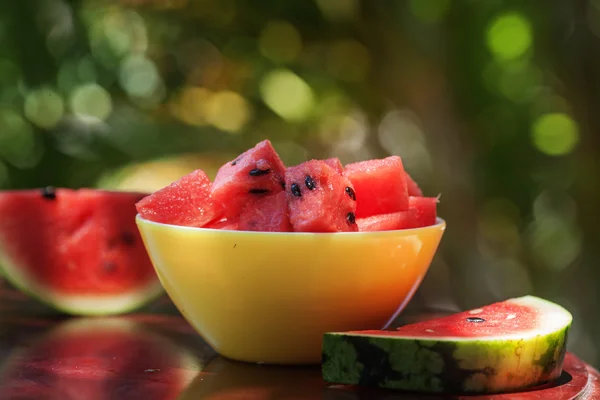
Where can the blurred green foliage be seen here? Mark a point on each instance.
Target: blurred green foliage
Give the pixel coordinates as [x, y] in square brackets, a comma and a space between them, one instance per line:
[491, 103]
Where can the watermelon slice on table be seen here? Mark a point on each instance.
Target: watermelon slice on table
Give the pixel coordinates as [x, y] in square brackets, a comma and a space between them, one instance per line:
[320, 199]
[78, 251]
[380, 186]
[257, 171]
[506, 346]
[185, 202]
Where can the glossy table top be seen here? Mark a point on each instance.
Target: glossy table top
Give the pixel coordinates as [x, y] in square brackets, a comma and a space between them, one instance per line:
[155, 355]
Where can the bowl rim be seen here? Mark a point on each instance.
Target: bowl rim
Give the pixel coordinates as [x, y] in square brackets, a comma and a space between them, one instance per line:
[440, 223]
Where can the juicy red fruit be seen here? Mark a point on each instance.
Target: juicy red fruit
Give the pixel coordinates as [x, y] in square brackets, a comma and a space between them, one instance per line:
[185, 202]
[336, 164]
[422, 212]
[423, 209]
[380, 186]
[267, 213]
[320, 199]
[257, 171]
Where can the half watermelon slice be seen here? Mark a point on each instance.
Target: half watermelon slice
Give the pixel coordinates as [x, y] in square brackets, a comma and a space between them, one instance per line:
[502, 347]
[78, 251]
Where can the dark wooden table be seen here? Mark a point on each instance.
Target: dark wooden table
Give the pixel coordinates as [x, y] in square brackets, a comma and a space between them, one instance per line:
[155, 355]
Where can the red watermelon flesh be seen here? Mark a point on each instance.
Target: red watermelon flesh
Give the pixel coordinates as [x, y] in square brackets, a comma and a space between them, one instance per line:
[257, 171]
[336, 164]
[424, 210]
[267, 213]
[320, 199]
[387, 222]
[380, 186]
[78, 250]
[185, 202]
[412, 186]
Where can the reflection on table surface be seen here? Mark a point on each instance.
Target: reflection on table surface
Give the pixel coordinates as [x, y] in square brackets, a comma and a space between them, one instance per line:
[157, 356]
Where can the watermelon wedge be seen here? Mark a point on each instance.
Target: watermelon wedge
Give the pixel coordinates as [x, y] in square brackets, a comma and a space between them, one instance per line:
[78, 251]
[502, 347]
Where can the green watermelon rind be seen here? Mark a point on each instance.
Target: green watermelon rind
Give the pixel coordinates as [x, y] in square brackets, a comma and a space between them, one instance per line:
[80, 304]
[448, 365]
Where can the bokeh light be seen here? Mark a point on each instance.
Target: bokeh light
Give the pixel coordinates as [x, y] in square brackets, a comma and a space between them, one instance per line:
[227, 111]
[288, 95]
[555, 134]
[509, 36]
[18, 143]
[91, 101]
[44, 108]
[139, 76]
[280, 41]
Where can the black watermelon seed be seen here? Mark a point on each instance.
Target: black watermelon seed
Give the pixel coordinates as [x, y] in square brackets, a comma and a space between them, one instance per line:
[128, 238]
[310, 183]
[475, 319]
[49, 193]
[296, 190]
[258, 191]
[350, 192]
[235, 162]
[259, 172]
[351, 218]
[283, 185]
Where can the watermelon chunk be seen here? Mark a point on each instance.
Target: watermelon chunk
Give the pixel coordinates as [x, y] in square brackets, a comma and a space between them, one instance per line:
[185, 202]
[506, 346]
[412, 186]
[320, 199]
[387, 222]
[78, 251]
[336, 164]
[266, 213]
[422, 211]
[257, 171]
[380, 186]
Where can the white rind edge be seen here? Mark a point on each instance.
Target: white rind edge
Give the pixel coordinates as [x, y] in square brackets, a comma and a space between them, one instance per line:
[553, 318]
[86, 305]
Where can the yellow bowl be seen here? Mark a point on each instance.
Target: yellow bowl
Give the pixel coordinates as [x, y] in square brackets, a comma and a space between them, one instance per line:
[269, 297]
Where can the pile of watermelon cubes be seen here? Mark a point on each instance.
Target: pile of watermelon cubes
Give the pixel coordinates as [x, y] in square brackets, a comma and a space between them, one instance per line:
[257, 192]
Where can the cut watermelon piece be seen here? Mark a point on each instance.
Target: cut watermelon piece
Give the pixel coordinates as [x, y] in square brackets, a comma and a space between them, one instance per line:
[77, 250]
[320, 199]
[336, 164]
[387, 222]
[99, 359]
[412, 186]
[502, 347]
[267, 213]
[423, 209]
[257, 171]
[422, 212]
[380, 186]
[185, 202]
